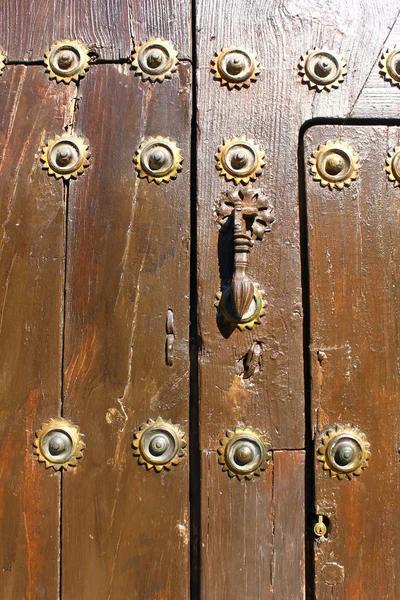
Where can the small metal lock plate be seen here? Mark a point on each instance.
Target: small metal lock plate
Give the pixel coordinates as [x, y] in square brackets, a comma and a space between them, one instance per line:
[67, 61]
[321, 69]
[334, 164]
[66, 156]
[244, 453]
[159, 444]
[240, 160]
[158, 159]
[59, 444]
[235, 67]
[155, 60]
[344, 451]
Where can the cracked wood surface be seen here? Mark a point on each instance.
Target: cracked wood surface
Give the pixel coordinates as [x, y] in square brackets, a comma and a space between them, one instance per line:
[109, 27]
[32, 217]
[354, 281]
[127, 264]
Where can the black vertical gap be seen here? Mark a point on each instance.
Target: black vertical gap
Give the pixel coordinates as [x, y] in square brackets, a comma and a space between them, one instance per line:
[309, 443]
[194, 444]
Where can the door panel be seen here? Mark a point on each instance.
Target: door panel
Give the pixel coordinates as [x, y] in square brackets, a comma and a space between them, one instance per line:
[32, 214]
[354, 270]
[127, 264]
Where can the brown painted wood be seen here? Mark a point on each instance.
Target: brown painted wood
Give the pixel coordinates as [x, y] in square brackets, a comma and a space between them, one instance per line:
[289, 517]
[271, 111]
[32, 216]
[127, 264]
[354, 277]
[109, 27]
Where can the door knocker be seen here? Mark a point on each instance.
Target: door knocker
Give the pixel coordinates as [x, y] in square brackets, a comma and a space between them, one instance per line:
[242, 303]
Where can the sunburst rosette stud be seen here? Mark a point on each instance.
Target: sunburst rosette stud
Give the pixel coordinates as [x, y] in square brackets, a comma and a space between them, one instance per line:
[244, 453]
[334, 164]
[3, 60]
[321, 70]
[155, 60]
[240, 160]
[66, 156]
[59, 444]
[390, 66]
[344, 451]
[252, 316]
[158, 159]
[235, 67]
[67, 61]
[159, 444]
[393, 166]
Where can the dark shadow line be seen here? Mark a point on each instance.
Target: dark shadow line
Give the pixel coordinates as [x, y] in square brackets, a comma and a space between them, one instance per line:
[309, 443]
[194, 442]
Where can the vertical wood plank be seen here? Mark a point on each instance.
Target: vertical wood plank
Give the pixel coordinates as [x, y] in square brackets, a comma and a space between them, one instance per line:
[32, 217]
[289, 518]
[354, 286]
[128, 263]
[237, 534]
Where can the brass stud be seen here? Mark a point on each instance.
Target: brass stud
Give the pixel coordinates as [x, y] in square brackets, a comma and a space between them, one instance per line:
[334, 164]
[67, 61]
[244, 453]
[390, 66]
[344, 451]
[240, 160]
[3, 59]
[59, 444]
[66, 156]
[393, 166]
[155, 60]
[235, 67]
[322, 70]
[159, 444]
[158, 159]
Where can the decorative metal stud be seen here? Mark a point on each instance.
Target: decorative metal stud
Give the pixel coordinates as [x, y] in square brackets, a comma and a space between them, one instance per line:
[235, 67]
[155, 60]
[344, 451]
[393, 166]
[159, 444]
[67, 61]
[390, 66]
[334, 164]
[66, 156]
[159, 159]
[244, 453]
[322, 70]
[3, 59]
[59, 444]
[240, 160]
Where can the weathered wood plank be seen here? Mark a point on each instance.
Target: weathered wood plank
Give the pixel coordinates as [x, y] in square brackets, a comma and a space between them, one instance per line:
[110, 27]
[237, 534]
[128, 263]
[354, 277]
[289, 518]
[32, 217]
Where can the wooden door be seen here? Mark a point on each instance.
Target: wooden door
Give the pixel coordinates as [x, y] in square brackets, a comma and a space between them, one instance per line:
[201, 308]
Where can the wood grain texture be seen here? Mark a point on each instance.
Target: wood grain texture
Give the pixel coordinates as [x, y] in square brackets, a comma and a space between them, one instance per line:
[110, 27]
[289, 518]
[271, 111]
[127, 264]
[32, 217]
[354, 282]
